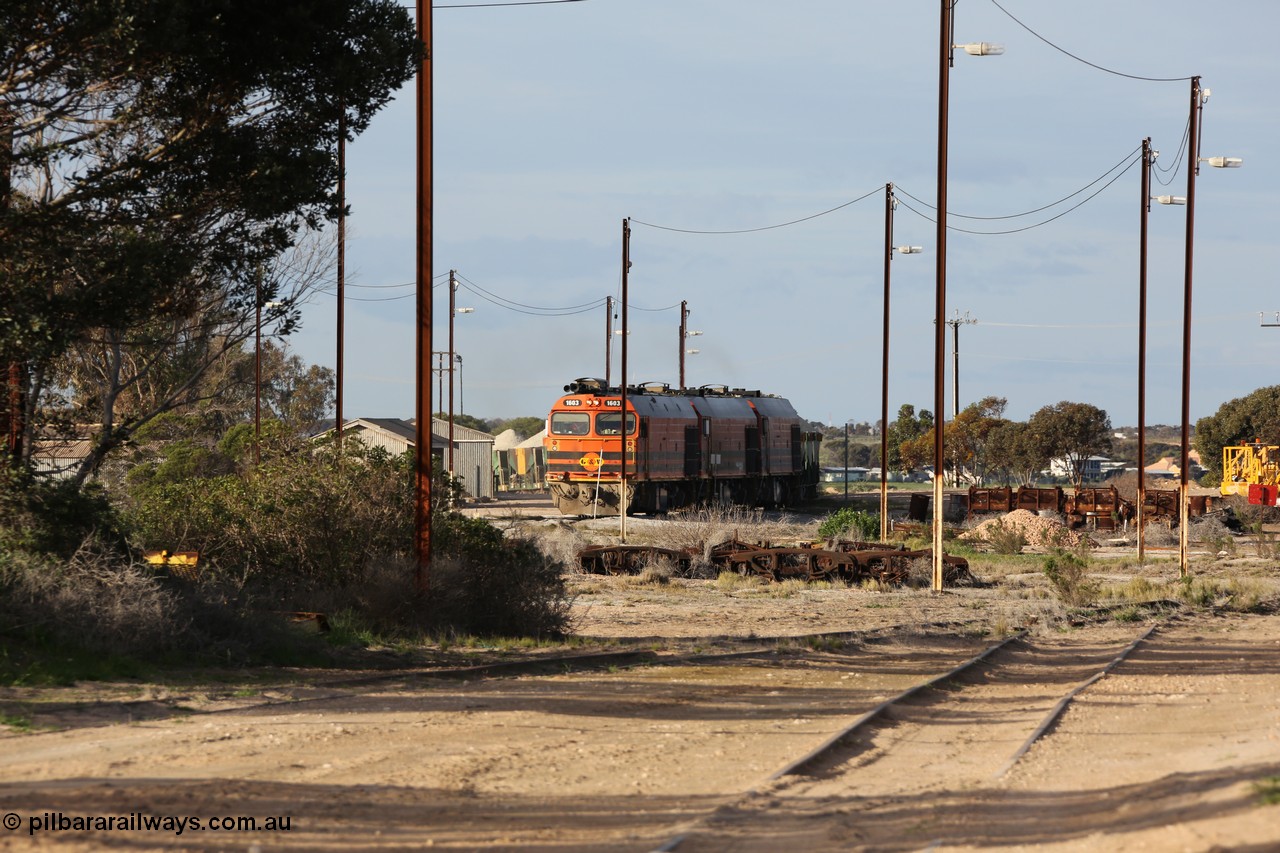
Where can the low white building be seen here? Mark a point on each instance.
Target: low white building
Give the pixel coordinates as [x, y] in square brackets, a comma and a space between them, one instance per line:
[472, 449]
[1094, 468]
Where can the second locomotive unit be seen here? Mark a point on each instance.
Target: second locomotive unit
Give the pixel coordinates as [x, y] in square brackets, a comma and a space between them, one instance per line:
[680, 448]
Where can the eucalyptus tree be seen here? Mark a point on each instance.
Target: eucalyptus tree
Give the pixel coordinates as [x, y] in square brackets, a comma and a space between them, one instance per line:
[157, 155]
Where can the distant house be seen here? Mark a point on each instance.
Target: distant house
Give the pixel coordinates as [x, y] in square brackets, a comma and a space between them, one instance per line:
[844, 475]
[1093, 469]
[472, 449]
[1169, 467]
[59, 458]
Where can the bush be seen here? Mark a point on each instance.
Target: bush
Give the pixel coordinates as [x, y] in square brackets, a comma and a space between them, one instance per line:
[305, 530]
[296, 523]
[483, 584]
[94, 600]
[866, 525]
[104, 604]
[1067, 574]
[53, 518]
[1005, 538]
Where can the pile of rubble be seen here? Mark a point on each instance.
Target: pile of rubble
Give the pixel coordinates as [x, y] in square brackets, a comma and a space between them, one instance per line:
[1040, 532]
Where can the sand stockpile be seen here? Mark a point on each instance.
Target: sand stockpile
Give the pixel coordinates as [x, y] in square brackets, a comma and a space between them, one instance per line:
[1039, 532]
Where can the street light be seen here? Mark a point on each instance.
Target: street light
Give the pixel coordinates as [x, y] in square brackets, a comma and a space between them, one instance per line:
[890, 205]
[1198, 98]
[947, 53]
[981, 48]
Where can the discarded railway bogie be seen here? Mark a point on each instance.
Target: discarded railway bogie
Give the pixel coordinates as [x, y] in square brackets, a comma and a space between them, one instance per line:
[629, 559]
[849, 562]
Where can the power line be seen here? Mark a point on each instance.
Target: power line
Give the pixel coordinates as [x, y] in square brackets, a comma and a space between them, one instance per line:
[1173, 170]
[763, 227]
[1083, 202]
[489, 5]
[537, 310]
[1028, 212]
[1066, 52]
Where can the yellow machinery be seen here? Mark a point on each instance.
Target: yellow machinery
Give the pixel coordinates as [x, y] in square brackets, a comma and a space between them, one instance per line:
[1252, 470]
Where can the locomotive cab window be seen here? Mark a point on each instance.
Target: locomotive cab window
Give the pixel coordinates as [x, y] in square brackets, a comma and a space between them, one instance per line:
[607, 423]
[570, 423]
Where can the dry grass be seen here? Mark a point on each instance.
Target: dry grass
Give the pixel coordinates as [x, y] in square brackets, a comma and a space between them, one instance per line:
[97, 599]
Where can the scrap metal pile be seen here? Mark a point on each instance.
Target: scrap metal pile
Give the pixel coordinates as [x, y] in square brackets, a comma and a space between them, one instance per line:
[852, 562]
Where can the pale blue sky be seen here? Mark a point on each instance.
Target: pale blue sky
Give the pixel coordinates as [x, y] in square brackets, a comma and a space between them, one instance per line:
[553, 123]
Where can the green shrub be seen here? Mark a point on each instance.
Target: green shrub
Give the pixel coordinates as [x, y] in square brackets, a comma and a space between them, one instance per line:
[484, 584]
[53, 517]
[297, 522]
[1067, 574]
[1005, 538]
[865, 525]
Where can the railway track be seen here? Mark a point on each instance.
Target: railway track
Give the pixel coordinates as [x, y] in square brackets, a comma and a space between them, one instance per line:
[982, 716]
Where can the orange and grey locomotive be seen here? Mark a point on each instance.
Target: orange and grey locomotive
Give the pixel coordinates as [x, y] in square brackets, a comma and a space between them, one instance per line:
[680, 448]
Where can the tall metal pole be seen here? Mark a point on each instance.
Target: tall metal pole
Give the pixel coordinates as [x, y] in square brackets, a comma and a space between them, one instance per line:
[12, 404]
[955, 367]
[608, 338]
[955, 325]
[1193, 148]
[884, 372]
[257, 367]
[846, 462]
[453, 291]
[342, 264]
[422, 449]
[1142, 349]
[439, 371]
[940, 295]
[684, 327]
[622, 432]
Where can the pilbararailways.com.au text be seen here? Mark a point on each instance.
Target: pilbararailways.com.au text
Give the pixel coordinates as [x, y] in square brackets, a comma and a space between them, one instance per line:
[139, 822]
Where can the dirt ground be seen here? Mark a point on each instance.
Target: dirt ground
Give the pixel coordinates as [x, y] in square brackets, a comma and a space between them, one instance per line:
[1176, 749]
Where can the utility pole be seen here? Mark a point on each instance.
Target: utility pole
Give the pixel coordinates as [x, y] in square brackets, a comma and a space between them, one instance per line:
[889, 203]
[1148, 157]
[1193, 168]
[342, 264]
[13, 401]
[684, 333]
[257, 367]
[438, 370]
[453, 290]
[940, 291]
[955, 325]
[846, 462]
[608, 338]
[622, 432]
[422, 448]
